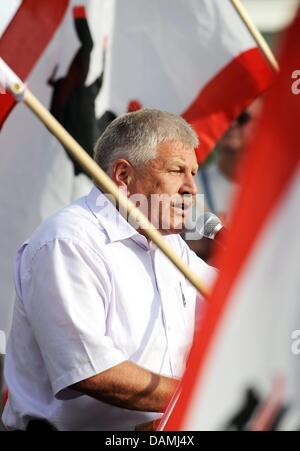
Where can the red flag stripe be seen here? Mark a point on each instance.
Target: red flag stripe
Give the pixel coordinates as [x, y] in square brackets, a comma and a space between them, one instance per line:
[79, 12]
[277, 148]
[26, 37]
[243, 79]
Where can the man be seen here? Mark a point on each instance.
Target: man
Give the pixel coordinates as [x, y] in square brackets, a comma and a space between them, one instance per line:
[103, 321]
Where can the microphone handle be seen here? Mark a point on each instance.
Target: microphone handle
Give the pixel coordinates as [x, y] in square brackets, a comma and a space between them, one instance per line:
[221, 236]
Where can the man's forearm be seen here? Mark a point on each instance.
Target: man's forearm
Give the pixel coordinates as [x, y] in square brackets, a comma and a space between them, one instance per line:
[130, 386]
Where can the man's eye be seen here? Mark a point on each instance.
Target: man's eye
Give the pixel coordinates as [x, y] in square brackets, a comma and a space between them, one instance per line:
[178, 171]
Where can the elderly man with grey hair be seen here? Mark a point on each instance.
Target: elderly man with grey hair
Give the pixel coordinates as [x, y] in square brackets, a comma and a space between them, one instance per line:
[103, 322]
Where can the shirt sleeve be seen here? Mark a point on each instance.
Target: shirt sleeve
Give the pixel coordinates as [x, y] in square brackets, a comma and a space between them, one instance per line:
[66, 294]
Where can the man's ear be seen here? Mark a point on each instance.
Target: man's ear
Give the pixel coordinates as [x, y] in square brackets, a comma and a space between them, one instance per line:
[122, 173]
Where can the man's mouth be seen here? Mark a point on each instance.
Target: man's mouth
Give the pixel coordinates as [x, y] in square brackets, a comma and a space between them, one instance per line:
[183, 207]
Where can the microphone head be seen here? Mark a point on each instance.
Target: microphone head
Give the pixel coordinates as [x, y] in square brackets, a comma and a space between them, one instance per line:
[208, 225]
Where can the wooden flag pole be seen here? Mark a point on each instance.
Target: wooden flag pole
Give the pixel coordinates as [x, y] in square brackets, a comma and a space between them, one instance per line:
[105, 183]
[255, 33]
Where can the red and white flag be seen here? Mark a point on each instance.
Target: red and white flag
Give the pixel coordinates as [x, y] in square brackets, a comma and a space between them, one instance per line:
[54, 49]
[244, 367]
[190, 57]
[194, 58]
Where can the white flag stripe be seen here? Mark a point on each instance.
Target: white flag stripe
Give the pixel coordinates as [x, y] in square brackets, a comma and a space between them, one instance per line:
[173, 48]
[2, 342]
[8, 9]
[8, 78]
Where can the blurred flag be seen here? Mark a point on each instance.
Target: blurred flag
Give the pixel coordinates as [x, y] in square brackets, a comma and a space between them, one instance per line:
[26, 37]
[191, 57]
[52, 46]
[244, 368]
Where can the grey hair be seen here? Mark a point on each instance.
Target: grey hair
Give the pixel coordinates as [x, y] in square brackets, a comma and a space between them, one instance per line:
[136, 136]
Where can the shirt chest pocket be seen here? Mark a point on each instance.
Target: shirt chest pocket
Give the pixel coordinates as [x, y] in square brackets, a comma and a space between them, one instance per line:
[184, 311]
[188, 295]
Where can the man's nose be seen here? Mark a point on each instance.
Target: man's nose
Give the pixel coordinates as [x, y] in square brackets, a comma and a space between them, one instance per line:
[189, 185]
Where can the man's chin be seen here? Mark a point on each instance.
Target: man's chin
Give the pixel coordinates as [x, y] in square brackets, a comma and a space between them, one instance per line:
[173, 230]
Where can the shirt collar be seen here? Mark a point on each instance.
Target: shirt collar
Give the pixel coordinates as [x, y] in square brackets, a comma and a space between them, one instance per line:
[115, 225]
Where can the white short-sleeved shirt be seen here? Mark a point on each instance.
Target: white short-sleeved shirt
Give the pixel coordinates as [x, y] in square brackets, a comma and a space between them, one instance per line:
[92, 293]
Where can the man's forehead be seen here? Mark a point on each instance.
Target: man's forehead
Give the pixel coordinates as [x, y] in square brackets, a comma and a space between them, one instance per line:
[176, 151]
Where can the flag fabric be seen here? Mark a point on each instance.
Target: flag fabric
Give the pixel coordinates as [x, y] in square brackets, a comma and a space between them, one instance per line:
[51, 46]
[25, 39]
[243, 371]
[89, 61]
[194, 58]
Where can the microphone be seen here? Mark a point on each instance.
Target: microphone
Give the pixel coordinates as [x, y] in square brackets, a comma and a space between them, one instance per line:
[210, 226]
